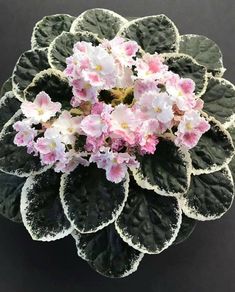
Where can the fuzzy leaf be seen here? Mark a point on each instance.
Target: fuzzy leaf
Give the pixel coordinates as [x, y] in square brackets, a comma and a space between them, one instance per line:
[153, 33]
[41, 209]
[209, 196]
[9, 105]
[102, 22]
[167, 171]
[187, 67]
[213, 151]
[28, 65]
[89, 206]
[107, 253]
[15, 160]
[186, 229]
[148, 222]
[7, 86]
[54, 83]
[48, 28]
[219, 100]
[204, 50]
[62, 47]
[10, 194]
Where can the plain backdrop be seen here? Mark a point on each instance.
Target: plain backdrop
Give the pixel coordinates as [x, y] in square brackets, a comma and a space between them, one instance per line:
[204, 263]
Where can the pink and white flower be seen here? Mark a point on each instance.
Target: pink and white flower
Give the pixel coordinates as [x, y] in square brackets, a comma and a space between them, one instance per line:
[71, 160]
[41, 109]
[26, 133]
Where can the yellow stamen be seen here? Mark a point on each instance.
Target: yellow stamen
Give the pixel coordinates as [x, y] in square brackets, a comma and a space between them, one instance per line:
[189, 126]
[40, 111]
[98, 68]
[124, 125]
[158, 110]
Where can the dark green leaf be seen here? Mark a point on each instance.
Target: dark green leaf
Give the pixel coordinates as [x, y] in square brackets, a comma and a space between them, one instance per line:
[102, 22]
[47, 29]
[41, 209]
[91, 205]
[186, 229]
[148, 222]
[232, 163]
[7, 86]
[204, 50]
[209, 196]
[167, 171]
[107, 253]
[153, 33]
[10, 194]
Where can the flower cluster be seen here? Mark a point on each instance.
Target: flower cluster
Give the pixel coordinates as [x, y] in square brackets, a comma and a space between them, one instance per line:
[144, 102]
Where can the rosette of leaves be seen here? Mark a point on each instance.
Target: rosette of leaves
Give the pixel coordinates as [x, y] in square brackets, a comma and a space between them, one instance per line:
[156, 206]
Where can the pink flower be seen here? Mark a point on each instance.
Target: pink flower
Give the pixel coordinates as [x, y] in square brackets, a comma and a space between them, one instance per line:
[147, 136]
[68, 127]
[26, 133]
[41, 109]
[83, 91]
[162, 106]
[50, 147]
[71, 160]
[190, 129]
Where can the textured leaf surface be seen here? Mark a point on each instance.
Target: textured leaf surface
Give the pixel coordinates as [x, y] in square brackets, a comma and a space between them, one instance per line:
[29, 64]
[62, 47]
[90, 201]
[10, 193]
[9, 105]
[41, 209]
[187, 67]
[186, 229]
[102, 22]
[7, 86]
[209, 196]
[213, 151]
[148, 222]
[232, 163]
[54, 83]
[167, 171]
[107, 253]
[48, 28]
[13, 159]
[204, 50]
[153, 33]
[219, 100]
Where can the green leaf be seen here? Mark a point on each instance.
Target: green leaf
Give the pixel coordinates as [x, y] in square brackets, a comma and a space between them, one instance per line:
[167, 171]
[107, 253]
[15, 160]
[232, 163]
[62, 47]
[10, 194]
[48, 28]
[186, 229]
[153, 33]
[41, 209]
[148, 222]
[7, 86]
[102, 22]
[9, 105]
[219, 100]
[28, 65]
[204, 50]
[209, 196]
[187, 67]
[91, 206]
[214, 150]
[54, 83]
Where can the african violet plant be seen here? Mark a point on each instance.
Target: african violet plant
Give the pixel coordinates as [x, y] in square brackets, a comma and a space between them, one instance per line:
[117, 132]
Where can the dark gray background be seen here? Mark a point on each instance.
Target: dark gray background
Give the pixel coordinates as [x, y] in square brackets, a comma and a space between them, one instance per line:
[204, 263]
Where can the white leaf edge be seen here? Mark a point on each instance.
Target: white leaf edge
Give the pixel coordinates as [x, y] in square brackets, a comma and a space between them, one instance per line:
[143, 181]
[134, 264]
[34, 44]
[221, 69]
[15, 86]
[53, 43]
[193, 213]
[3, 133]
[75, 25]
[216, 167]
[134, 21]
[128, 238]
[185, 56]
[114, 215]
[28, 186]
